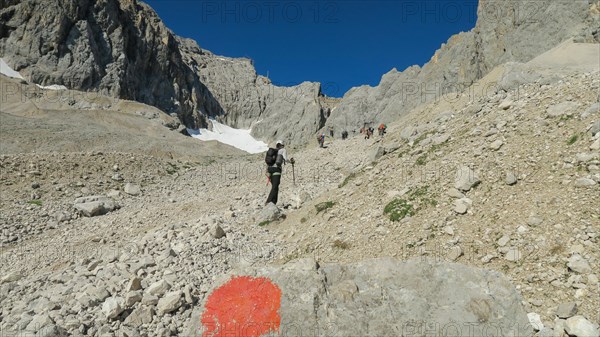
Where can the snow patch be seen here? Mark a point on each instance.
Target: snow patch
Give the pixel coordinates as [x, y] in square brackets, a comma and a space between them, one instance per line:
[238, 138]
[52, 87]
[8, 71]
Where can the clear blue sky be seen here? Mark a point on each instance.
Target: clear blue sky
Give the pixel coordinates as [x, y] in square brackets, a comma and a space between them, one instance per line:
[341, 44]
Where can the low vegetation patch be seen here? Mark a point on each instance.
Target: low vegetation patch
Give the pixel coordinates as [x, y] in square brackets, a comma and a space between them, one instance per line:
[421, 196]
[320, 207]
[422, 160]
[572, 140]
[398, 209]
[35, 202]
[172, 168]
[339, 244]
[303, 220]
[264, 223]
[417, 198]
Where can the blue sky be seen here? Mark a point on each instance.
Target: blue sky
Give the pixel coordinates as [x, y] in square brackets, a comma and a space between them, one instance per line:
[341, 44]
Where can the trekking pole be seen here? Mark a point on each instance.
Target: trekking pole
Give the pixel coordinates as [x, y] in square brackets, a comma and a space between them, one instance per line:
[293, 174]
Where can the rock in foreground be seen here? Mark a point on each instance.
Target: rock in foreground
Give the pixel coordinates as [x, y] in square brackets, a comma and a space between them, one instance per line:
[380, 297]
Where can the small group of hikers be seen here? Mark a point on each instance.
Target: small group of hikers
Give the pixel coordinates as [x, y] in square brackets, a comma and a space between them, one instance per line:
[277, 157]
[368, 131]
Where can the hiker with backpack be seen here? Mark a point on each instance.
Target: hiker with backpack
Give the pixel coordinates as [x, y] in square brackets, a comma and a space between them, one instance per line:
[275, 159]
[321, 140]
[381, 129]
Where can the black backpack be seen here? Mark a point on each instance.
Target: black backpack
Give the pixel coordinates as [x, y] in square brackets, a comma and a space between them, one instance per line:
[271, 156]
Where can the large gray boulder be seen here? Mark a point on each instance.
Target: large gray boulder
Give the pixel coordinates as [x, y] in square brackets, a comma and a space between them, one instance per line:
[387, 297]
[95, 205]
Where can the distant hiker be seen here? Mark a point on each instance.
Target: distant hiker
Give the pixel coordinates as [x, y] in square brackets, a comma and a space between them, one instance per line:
[345, 134]
[331, 131]
[381, 129]
[322, 140]
[275, 159]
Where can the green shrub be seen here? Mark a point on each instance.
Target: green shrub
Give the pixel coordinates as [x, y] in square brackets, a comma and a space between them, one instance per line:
[422, 160]
[398, 209]
[572, 140]
[320, 207]
[303, 220]
[35, 202]
[264, 223]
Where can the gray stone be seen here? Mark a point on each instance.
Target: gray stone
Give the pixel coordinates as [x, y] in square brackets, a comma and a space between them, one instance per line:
[535, 321]
[132, 189]
[11, 277]
[465, 179]
[390, 148]
[113, 307]
[510, 178]
[579, 326]
[454, 193]
[546, 332]
[39, 323]
[559, 328]
[95, 205]
[566, 310]
[506, 104]
[149, 299]
[134, 284]
[592, 110]
[269, 213]
[441, 139]
[158, 288]
[503, 240]
[217, 232]
[585, 157]
[379, 297]
[496, 145]
[461, 206]
[139, 316]
[513, 254]
[132, 298]
[560, 109]
[169, 303]
[578, 264]
[534, 221]
[454, 253]
[585, 182]
[595, 129]
[376, 153]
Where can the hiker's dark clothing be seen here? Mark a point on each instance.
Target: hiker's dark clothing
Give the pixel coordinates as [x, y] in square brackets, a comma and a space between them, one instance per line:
[274, 171]
[275, 178]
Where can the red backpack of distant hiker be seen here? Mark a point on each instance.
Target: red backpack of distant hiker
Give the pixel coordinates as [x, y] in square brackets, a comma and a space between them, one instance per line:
[271, 156]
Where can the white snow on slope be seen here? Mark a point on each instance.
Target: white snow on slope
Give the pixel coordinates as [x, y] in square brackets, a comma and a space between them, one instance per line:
[53, 87]
[8, 71]
[238, 138]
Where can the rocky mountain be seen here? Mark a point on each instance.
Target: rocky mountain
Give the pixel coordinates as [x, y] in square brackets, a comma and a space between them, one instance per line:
[252, 101]
[116, 47]
[506, 31]
[121, 48]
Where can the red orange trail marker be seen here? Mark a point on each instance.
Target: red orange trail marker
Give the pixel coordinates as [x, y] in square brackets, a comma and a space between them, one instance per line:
[243, 307]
